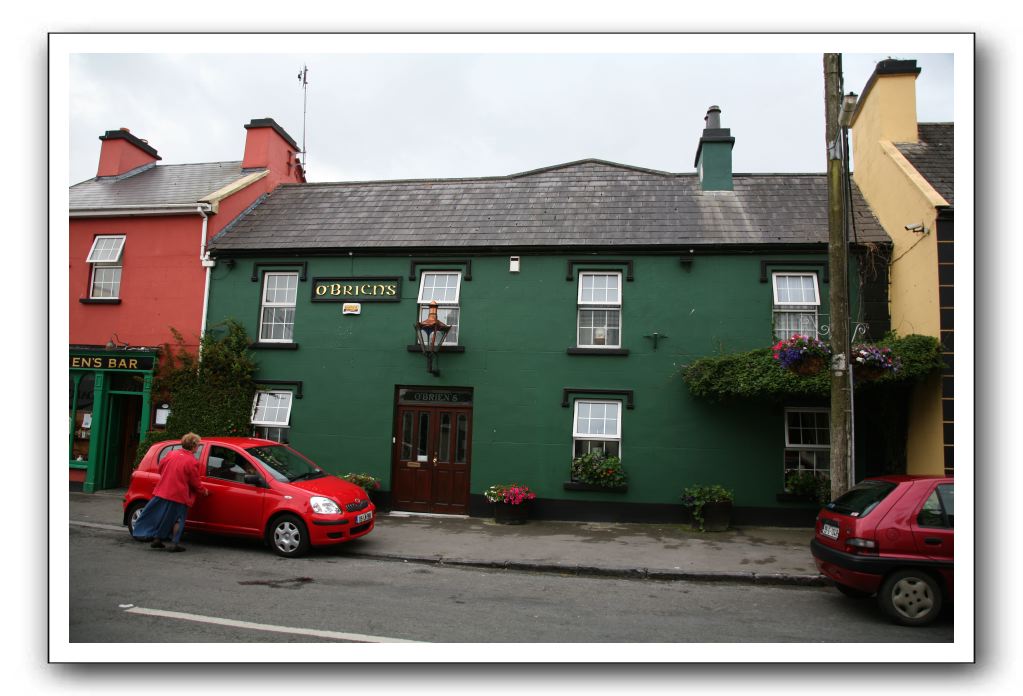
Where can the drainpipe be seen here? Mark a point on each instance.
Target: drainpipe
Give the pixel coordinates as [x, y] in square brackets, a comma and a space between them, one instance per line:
[208, 264]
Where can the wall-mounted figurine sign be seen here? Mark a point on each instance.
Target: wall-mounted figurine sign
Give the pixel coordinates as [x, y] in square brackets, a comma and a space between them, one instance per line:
[357, 289]
[351, 308]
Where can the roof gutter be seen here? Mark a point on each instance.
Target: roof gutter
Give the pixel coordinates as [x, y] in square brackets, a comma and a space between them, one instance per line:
[132, 210]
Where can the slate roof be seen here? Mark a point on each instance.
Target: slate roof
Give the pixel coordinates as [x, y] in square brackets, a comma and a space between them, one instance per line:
[933, 156]
[590, 203]
[162, 184]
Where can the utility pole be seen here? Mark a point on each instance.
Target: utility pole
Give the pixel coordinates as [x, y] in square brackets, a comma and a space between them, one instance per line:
[838, 265]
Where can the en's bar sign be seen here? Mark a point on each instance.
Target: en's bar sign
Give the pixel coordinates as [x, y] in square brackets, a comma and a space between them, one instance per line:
[361, 289]
[111, 362]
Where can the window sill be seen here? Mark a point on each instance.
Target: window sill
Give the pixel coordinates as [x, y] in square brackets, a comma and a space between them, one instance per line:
[597, 351]
[90, 300]
[580, 486]
[414, 348]
[273, 346]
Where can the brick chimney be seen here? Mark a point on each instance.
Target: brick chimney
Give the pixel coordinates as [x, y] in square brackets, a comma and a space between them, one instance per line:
[714, 154]
[268, 146]
[122, 152]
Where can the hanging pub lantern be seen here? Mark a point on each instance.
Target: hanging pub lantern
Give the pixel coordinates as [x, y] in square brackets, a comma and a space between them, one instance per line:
[430, 335]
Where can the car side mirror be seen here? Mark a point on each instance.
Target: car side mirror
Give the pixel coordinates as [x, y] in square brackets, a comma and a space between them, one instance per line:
[253, 480]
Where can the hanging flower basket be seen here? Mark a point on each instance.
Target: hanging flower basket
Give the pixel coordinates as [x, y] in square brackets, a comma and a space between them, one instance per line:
[802, 355]
[873, 362]
[809, 366]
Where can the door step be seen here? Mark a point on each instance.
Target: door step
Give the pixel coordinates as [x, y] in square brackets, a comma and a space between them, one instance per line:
[404, 513]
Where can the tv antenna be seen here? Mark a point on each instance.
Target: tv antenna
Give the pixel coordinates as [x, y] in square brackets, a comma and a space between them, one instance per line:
[303, 78]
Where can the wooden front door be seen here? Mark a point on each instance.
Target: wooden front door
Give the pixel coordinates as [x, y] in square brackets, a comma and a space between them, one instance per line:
[432, 454]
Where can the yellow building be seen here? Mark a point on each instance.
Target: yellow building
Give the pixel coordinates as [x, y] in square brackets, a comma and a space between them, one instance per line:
[905, 171]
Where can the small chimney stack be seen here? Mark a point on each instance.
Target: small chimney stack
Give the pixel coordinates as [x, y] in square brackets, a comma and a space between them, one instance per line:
[268, 146]
[122, 152]
[714, 153]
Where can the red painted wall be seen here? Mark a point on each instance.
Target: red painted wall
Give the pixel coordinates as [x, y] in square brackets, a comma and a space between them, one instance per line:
[161, 281]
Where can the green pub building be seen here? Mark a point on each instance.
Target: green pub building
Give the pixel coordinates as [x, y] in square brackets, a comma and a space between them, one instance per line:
[575, 295]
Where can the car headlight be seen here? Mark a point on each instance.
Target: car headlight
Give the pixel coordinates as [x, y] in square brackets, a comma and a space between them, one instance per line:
[324, 506]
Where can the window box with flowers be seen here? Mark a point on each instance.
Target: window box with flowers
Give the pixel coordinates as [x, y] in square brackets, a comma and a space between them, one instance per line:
[596, 471]
[802, 354]
[511, 502]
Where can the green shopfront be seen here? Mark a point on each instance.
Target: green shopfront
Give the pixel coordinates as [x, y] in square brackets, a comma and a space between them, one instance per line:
[110, 400]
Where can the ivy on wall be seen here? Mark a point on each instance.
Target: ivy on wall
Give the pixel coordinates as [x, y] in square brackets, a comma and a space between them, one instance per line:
[755, 375]
[211, 396]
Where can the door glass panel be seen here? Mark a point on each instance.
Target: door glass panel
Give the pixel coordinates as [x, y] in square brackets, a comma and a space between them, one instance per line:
[444, 446]
[461, 438]
[422, 448]
[406, 436]
[83, 417]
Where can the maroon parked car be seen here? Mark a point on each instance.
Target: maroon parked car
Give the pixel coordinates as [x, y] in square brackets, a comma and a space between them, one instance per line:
[893, 536]
[261, 489]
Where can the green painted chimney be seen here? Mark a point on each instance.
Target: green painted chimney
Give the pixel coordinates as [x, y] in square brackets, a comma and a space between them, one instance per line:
[714, 154]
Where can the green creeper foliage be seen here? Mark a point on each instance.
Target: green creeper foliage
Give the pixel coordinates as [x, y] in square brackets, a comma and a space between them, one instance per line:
[211, 396]
[756, 376]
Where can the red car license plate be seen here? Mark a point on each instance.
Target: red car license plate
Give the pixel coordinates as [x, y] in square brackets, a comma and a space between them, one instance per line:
[829, 530]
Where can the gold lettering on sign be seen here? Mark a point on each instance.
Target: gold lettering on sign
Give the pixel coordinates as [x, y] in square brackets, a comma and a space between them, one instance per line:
[133, 364]
[335, 289]
[347, 289]
[392, 290]
[321, 290]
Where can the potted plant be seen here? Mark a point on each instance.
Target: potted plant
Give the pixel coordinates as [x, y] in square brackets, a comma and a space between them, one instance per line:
[871, 362]
[597, 471]
[370, 484]
[802, 354]
[710, 506]
[511, 502]
[809, 486]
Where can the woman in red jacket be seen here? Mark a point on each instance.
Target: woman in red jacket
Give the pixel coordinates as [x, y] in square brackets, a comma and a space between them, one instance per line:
[174, 494]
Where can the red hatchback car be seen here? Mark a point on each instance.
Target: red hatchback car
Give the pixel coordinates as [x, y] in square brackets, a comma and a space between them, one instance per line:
[261, 489]
[893, 536]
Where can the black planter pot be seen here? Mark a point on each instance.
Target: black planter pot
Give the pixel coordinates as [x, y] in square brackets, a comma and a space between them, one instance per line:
[716, 517]
[511, 514]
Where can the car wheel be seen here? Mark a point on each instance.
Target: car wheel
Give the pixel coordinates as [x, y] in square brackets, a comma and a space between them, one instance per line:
[288, 536]
[851, 591]
[134, 511]
[911, 597]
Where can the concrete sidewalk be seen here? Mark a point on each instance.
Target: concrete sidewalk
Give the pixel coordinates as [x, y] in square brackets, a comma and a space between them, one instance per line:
[767, 555]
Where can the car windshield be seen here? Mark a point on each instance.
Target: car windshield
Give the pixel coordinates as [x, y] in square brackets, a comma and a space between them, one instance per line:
[285, 464]
[859, 500]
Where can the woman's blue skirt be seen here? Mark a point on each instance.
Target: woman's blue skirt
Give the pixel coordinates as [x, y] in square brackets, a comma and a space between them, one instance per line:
[157, 520]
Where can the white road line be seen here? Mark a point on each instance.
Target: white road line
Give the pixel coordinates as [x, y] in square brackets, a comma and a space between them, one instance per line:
[335, 635]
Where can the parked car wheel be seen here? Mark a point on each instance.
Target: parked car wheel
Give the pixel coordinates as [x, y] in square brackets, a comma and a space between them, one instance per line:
[851, 591]
[911, 597]
[133, 515]
[288, 536]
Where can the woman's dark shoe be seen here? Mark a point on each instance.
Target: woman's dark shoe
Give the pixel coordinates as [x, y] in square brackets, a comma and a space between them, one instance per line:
[176, 548]
[157, 544]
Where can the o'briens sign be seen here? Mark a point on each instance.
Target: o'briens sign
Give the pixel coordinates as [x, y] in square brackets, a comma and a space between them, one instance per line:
[359, 289]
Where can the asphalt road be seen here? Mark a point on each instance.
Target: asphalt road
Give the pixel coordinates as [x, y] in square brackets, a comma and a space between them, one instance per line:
[223, 590]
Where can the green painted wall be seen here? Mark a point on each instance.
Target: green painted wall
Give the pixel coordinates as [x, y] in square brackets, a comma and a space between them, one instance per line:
[516, 328]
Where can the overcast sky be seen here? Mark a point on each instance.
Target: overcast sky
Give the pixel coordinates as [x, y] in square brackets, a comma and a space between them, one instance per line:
[424, 115]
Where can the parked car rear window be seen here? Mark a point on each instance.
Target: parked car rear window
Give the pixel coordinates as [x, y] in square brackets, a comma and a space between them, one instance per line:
[859, 500]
